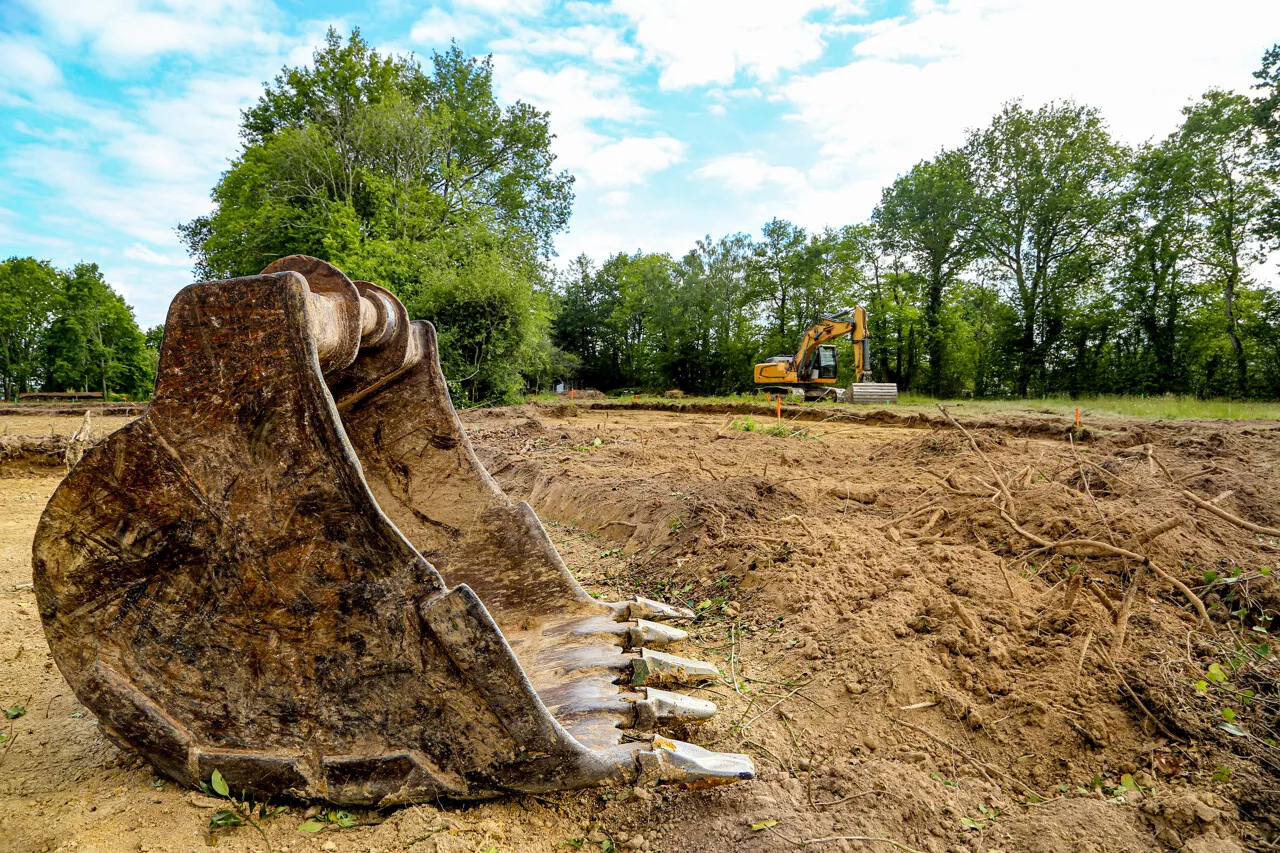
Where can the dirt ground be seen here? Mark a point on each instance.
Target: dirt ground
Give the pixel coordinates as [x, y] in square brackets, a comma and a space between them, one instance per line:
[924, 645]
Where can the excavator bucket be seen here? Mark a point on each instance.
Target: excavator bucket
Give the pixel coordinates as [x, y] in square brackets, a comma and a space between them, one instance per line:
[293, 569]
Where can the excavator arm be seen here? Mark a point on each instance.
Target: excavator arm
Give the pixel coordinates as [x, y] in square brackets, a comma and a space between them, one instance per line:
[798, 369]
[852, 322]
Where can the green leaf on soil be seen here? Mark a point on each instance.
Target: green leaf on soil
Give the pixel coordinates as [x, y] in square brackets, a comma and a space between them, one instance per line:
[219, 784]
[764, 824]
[310, 825]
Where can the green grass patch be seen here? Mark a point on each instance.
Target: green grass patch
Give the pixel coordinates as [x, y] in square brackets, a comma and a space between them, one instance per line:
[1169, 407]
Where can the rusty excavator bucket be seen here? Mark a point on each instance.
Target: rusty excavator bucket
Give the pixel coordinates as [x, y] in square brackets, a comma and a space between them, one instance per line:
[293, 569]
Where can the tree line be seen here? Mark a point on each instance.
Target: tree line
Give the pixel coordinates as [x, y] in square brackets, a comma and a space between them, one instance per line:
[1040, 257]
[68, 330]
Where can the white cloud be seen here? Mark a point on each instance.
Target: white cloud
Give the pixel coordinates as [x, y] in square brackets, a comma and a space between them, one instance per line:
[129, 31]
[628, 161]
[504, 7]
[573, 95]
[578, 100]
[916, 83]
[437, 27]
[139, 252]
[745, 173]
[25, 68]
[143, 210]
[710, 41]
[603, 45]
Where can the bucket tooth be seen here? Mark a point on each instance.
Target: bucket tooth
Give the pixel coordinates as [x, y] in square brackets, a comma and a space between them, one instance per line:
[293, 569]
[646, 634]
[631, 635]
[646, 608]
[675, 762]
[661, 668]
[664, 708]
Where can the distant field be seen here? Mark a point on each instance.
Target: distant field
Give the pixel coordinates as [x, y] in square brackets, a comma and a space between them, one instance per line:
[1152, 408]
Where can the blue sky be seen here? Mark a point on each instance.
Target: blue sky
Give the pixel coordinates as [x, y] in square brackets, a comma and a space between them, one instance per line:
[680, 118]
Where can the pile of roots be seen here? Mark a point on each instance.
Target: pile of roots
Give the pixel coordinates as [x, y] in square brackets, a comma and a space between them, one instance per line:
[1117, 530]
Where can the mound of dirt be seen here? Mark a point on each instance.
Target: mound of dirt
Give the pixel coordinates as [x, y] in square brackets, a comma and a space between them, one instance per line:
[32, 455]
[583, 394]
[917, 613]
[130, 410]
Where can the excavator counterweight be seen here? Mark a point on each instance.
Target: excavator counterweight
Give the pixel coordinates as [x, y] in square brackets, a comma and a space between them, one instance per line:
[292, 569]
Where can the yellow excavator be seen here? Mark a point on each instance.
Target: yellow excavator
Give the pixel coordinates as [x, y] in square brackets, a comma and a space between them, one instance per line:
[814, 370]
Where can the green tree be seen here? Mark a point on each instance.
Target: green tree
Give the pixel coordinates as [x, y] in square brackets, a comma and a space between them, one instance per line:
[929, 212]
[93, 342]
[28, 290]
[780, 265]
[580, 325]
[1044, 184]
[1156, 232]
[1231, 194]
[409, 177]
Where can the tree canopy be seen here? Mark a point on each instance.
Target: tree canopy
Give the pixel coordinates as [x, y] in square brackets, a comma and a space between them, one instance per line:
[68, 331]
[414, 177]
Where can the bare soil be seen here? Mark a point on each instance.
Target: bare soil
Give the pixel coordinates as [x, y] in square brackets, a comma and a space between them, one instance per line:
[922, 649]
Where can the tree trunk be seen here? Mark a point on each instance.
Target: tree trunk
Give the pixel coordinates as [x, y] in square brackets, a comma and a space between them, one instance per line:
[933, 328]
[1026, 356]
[1242, 366]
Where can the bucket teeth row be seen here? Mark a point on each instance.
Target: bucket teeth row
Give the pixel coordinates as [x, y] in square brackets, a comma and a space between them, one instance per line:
[292, 569]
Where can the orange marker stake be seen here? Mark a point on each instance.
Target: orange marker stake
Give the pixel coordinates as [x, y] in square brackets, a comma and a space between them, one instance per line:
[1077, 417]
[635, 396]
[779, 407]
[570, 393]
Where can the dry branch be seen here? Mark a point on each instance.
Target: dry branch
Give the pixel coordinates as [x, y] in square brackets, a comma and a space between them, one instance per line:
[1102, 549]
[1126, 607]
[1004, 488]
[1134, 696]
[1155, 531]
[1103, 600]
[1226, 516]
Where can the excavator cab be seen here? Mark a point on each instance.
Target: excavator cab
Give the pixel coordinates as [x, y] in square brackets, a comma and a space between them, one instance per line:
[827, 363]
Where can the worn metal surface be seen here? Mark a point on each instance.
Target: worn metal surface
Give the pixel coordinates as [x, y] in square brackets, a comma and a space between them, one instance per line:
[293, 569]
